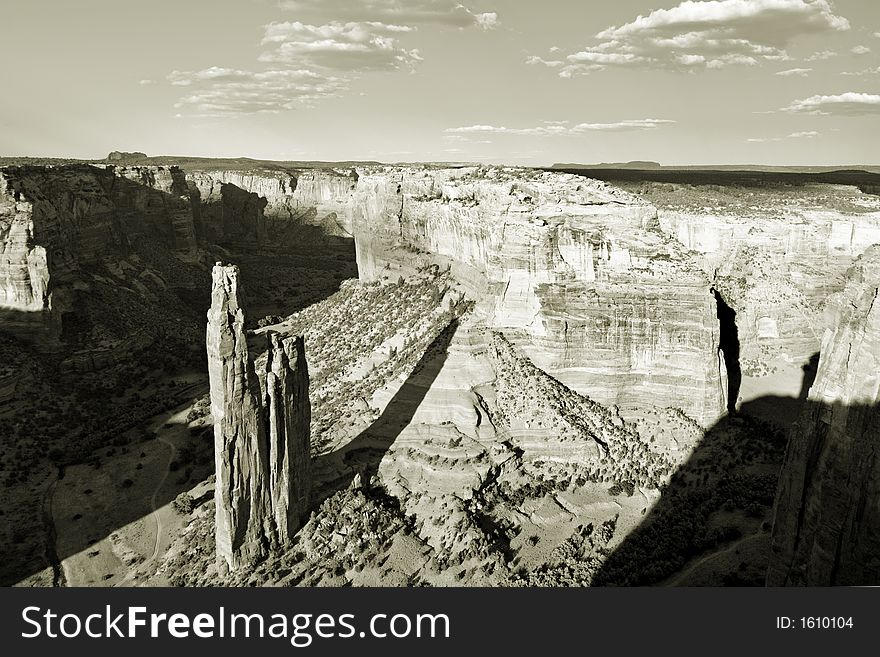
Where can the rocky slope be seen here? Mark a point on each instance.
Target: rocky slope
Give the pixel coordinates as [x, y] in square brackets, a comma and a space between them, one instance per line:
[261, 443]
[827, 516]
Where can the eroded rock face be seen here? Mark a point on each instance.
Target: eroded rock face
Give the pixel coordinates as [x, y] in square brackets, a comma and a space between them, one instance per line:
[576, 272]
[247, 208]
[289, 416]
[827, 517]
[244, 527]
[776, 259]
[65, 229]
[57, 221]
[261, 445]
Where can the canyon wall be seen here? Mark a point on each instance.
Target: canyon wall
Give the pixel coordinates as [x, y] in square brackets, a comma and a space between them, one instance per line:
[268, 207]
[261, 436]
[67, 230]
[775, 260]
[57, 222]
[577, 273]
[827, 516]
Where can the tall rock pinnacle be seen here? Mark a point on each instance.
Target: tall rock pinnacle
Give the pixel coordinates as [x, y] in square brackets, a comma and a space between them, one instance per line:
[289, 415]
[261, 451]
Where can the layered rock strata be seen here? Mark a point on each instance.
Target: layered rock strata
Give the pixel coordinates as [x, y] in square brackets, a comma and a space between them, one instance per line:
[64, 227]
[827, 515]
[261, 437]
[267, 207]
[576, 272]
[775, 258]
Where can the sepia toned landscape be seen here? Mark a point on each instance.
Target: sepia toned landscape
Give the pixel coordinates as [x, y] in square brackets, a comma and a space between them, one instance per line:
[446, 368]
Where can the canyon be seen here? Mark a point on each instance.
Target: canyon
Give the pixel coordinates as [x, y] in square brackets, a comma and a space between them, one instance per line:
[530, 378]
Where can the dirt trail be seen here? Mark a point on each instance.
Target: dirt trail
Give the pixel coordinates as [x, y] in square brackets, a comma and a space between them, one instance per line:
[51, 535]
[676, 580]
[153, 503]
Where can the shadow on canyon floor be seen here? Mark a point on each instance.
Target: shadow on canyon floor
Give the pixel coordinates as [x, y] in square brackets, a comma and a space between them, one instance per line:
[712, 523]
[363, 454]
[723, 493]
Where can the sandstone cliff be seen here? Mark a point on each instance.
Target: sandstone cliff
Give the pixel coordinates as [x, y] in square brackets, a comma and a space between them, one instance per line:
[775, 255]
[289, 417]
[261, 445]
[576, 272]
[268, 207]
[73, 238]
[62, 226]
[827, 515]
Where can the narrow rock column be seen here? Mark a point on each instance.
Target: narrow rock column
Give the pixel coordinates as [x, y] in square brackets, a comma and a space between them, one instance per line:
[243, 518]
[289, 416]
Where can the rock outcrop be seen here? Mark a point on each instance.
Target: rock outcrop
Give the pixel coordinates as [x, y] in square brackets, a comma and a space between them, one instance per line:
[289, 417]
[125, 156]
[261, 441]
[827, 516]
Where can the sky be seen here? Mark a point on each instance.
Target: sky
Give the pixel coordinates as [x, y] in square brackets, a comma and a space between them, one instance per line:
[520, 82]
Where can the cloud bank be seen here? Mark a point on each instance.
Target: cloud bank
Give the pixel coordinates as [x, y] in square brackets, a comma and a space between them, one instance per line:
[560, 128]
[304, 62]
[411, 12]
[703, 35]
[850, 103]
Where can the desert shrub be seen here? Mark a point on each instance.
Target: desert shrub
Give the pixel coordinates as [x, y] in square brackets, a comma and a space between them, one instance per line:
[183, 504]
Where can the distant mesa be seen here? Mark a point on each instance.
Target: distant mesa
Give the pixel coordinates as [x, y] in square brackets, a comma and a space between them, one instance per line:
[125, 156]
[641, 165]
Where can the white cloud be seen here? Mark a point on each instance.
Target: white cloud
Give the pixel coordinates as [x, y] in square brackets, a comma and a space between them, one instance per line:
[551, 63]
[305, 62]
[309, 62]
[144, 83]
[865, 71]
[223, 91]
[560, 128]
[345, 46]
[707, 35]
[860, 50]
[850, 103]
[823, 54]
[805, 134]
[802, 72]
[444, 12]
